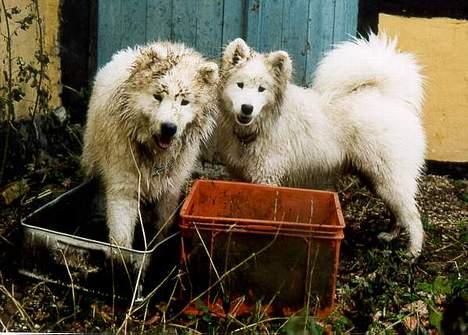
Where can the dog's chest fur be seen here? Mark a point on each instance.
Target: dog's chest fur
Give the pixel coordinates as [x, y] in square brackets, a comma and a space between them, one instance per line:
[290, 151]
[164, 172]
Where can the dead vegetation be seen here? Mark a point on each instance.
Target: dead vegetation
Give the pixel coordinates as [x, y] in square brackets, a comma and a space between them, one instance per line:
[378, 290]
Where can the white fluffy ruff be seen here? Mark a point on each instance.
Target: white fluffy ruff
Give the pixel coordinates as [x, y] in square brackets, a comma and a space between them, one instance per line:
[362, 114]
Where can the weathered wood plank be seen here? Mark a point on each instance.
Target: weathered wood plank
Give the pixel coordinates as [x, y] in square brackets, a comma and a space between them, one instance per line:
[184, 22]
[320, 33]
[158, 20]
[295, 23]
[304, 28]
[133, 23]
[108, 30]
[121, 23]
[209, 34]
[271, 25]
[233, 20]
[253, 24]
[346, 15]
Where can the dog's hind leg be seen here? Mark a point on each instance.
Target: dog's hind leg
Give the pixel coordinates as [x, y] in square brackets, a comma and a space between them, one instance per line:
[393, 233]
[398, 193]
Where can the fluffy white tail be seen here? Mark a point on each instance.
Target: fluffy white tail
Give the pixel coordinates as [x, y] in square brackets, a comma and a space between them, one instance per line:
[373, 63]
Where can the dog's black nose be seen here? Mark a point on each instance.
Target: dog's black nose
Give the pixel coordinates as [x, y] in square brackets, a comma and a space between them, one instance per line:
[246, 109]
[168, 129]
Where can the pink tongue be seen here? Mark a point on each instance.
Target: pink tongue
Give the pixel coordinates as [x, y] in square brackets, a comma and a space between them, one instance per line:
[164, 143]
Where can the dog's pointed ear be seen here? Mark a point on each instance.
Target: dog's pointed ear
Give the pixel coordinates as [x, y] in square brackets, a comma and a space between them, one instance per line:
[235, 53]
[280, 63]
[208, 73]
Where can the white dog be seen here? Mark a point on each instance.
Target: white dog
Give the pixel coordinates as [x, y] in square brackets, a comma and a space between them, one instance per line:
[150, 109]
[361, 115]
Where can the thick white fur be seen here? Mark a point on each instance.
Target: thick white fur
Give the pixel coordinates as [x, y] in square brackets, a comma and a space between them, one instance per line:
[124, 118]
[361, 115]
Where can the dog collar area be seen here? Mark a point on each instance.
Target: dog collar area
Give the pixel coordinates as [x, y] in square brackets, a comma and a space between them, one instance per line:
[163, 168]
[246, 139]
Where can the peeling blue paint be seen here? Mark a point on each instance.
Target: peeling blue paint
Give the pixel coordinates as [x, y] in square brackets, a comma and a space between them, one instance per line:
[304, 28]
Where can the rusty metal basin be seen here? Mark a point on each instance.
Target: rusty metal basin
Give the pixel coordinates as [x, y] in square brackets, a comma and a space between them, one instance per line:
[65, 242]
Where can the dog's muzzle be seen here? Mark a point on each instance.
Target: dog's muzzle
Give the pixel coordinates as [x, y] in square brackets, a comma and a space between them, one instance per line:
[166, 135]
[245, 117]
[244, 120]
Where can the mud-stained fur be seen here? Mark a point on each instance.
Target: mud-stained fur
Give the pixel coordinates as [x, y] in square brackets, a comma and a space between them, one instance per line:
[136, 92]
[361, 115]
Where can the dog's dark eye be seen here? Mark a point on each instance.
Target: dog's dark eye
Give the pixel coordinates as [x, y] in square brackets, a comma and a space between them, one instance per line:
[157, 97]
[240, 85]
[261, 88]
[184, 102]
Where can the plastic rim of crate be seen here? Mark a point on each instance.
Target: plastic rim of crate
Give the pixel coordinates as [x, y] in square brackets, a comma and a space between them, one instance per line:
[266, 227]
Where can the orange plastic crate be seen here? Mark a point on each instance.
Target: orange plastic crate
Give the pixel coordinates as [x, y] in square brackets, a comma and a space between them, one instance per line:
[250, 243]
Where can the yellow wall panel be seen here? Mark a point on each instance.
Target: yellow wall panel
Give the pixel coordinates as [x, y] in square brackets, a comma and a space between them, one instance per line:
[25, 44]
[441, 45]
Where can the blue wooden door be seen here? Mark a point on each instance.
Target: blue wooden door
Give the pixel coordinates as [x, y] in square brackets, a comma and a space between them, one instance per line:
[304, 28]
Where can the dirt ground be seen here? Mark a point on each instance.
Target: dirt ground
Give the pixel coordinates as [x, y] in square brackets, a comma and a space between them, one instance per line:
[378, 289]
